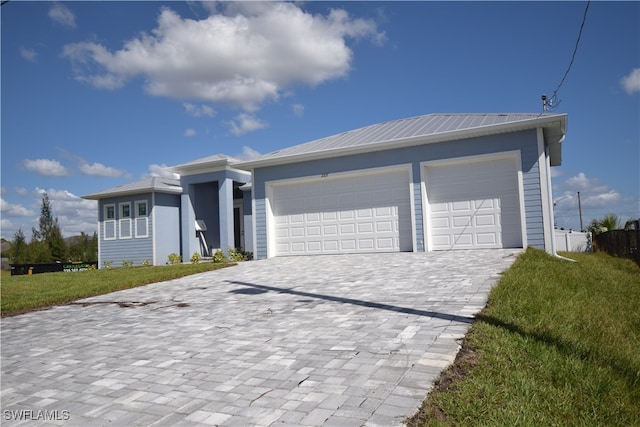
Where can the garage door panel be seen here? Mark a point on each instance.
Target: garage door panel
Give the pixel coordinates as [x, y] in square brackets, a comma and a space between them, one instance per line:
[486, 239]
[474, 205]
[485, 220]
[363, 213]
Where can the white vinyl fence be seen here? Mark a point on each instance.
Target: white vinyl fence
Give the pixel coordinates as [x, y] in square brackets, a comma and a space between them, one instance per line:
[573, 241]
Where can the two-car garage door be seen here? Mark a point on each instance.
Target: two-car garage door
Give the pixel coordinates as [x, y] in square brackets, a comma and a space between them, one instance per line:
[345, 214]
[469, 204]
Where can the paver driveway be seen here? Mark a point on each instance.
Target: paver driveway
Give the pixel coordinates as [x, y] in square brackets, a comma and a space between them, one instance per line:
[327, 340]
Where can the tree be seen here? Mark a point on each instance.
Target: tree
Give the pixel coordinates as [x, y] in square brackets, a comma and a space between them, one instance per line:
[83, 248]
[48, 233]
[607, 222]
[19, 248]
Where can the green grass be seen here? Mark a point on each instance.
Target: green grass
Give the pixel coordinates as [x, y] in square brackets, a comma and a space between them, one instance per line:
[558, 344]
[19, 294]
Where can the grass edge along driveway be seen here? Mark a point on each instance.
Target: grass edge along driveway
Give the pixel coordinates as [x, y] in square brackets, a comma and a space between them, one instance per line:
[557, 344]
[21, 294]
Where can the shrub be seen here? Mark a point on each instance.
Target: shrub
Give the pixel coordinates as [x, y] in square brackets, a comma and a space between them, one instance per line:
[145, 263]
[240, 255]
[108, 264]
[219, 256]
[174, 259]
[195, 258]
[127, 263]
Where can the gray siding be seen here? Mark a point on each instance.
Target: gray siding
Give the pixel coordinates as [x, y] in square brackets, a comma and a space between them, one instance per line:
[136, 249]
[167, 218]
[525, 141]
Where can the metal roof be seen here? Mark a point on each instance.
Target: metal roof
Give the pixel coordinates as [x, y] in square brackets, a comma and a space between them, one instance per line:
[147, 185]
[415, 130]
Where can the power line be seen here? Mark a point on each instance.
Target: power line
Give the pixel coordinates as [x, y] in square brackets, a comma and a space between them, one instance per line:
[553, 101]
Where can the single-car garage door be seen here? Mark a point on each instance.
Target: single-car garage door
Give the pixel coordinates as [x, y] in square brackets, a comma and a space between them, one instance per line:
[357, 213]
[474, 205]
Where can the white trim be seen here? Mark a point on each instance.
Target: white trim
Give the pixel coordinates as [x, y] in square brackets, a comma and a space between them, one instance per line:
[545, 189]
[202, 169]
[145, 217]
[99, 246]
[514, 155]
[269, 188]
[107, 220]
[153, 228]
[122, 219]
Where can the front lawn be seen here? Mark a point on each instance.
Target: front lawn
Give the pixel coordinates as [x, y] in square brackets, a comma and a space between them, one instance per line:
[557, 344]
[26, 293]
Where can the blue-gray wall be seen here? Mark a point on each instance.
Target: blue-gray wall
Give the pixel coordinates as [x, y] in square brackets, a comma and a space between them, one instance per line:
[166, 214]
[525, 141]
[136, 249]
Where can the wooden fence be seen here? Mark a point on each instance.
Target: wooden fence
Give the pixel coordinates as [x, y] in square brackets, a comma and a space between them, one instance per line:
[620, 243]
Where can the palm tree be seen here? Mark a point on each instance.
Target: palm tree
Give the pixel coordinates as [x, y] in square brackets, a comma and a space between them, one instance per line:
[606, 223]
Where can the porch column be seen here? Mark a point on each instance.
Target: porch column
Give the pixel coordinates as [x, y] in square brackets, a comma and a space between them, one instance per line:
[225, 198]
[188, 227]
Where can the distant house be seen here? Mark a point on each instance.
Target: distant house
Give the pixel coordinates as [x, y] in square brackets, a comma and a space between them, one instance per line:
[427, 183]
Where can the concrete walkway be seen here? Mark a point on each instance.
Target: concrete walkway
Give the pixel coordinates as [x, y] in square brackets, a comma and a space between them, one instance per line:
[329, 340]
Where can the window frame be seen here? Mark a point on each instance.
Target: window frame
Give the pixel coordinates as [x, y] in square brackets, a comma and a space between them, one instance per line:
[124, 221]
[139, 218]
[107, 220]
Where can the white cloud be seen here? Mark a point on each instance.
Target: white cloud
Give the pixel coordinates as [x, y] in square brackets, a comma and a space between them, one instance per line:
[162, 171]
[61, 14]
[14, 210]
[28, 54]
[98, 169]
[45, 167]
[248, 53]
[22, 191]
[298, 110]
[190, 132]
[631, 83]
[201, 110]
[248, 153]
[245, 123]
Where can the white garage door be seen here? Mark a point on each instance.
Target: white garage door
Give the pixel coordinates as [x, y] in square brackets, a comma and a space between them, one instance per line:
[474, 205]
[363, 213]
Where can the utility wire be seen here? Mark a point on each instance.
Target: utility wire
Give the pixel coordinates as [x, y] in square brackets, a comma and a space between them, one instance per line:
[553, 102]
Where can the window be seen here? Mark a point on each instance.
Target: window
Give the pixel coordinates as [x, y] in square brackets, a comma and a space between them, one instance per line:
[142, 219]
[109, 222]
[125, 220]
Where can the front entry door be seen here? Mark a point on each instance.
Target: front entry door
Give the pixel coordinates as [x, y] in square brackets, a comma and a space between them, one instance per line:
[238, 225]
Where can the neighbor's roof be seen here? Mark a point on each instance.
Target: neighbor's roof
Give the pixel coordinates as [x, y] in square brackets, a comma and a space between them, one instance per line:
[217, 160]
[147, 185]
[429, 128]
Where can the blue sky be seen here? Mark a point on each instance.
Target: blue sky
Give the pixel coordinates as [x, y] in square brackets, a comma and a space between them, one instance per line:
[97, 94]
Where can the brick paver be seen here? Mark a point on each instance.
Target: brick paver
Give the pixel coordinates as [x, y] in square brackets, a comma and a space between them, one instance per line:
[328, 340]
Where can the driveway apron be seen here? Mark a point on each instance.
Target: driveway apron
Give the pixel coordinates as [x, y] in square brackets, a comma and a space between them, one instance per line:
[345, 340]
